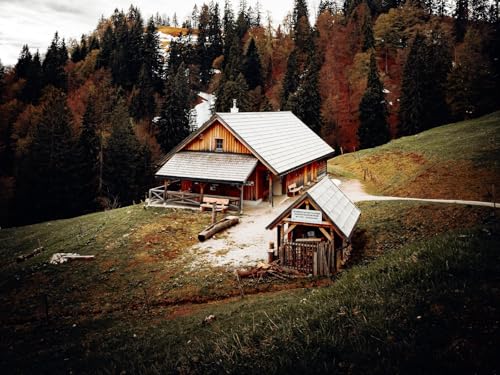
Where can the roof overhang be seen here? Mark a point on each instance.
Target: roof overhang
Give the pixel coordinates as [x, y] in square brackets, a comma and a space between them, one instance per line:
[212, 167]
[324, 157]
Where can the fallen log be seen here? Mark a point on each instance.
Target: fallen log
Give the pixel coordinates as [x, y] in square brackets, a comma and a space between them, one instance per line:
[225, 223]
[59, 258]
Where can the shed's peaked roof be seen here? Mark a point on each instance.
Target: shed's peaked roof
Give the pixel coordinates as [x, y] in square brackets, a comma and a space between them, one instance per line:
[209, 166]
[339, 209]
[279, 138]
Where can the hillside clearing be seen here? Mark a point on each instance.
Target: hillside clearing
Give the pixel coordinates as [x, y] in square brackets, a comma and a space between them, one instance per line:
[409, 311]
[455, 161]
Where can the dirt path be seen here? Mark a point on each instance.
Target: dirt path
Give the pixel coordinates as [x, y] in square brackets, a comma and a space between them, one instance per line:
[355, 191]
[246, 243]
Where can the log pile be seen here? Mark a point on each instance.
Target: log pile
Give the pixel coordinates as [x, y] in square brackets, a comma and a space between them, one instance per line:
[271, 270]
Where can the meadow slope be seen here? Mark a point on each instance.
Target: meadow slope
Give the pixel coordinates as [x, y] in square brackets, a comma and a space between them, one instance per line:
[455, 161]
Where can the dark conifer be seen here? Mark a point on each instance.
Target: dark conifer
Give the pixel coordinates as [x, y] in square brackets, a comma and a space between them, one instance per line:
[152, 57]
[291, 80]
[49, 172]
[54, 63]
[373, 129]
[253, 70]
[122, 158]
[173, 123]
[305, 103]
[89, 146]
[461, 19]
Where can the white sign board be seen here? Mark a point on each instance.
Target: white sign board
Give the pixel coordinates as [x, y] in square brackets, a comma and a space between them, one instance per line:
[307, 216]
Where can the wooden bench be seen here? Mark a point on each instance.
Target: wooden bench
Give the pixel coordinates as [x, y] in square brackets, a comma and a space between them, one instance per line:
[221, 204]
[293, 188]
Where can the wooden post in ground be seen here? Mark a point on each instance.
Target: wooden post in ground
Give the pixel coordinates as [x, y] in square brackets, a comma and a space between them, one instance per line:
[270, 252]
[271, 189]
[165, 184]
[214, 213]
[241, 198]
[315, 263]
[202, 187]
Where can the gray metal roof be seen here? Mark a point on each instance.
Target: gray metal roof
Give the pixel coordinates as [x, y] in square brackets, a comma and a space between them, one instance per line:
[336, 205]
[339, 209]
[209, 166]
[279, 138]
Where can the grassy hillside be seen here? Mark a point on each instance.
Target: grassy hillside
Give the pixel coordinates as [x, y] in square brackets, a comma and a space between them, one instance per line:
[136, 306]
[455, 161]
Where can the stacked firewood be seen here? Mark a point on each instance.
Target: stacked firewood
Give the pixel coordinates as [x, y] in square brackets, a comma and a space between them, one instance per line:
[271, 270]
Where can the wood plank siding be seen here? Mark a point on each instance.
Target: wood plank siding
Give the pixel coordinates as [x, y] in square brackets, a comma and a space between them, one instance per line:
[306, 174]
[206, 141]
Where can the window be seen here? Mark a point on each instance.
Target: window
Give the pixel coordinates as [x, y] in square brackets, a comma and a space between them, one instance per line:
[219, 144]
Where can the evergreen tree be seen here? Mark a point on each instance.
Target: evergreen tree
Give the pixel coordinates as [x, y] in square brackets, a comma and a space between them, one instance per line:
[373, 129]
[423, 97]
[202, 47]
[291, 80]
[325, 6]
[233, 89]
[152, 58]
[242, 23]
[122, 158]
[305, 103]
[173, 124]
[301, 27]
[23, 62]
[89, 146]
[48, 172]
[472, 89]
[107, 47]
[54, 63]
[412, 106]
[215, 33]
[252, 68]
[29, 68]
[229, 35]
[461, 18]
[143, 101]
[367, 31]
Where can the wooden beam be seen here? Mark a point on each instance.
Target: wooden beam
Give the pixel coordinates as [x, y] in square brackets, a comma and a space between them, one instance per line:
[271, 189]
[327, 235]
[324, 224]
[241, 198]
[289, 229]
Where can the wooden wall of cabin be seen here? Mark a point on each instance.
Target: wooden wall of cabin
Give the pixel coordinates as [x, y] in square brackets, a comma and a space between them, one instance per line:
[307, 174]
[260, 187]
[206, 141]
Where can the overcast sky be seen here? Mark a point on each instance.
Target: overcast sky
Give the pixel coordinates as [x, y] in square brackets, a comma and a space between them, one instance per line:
[34, 22]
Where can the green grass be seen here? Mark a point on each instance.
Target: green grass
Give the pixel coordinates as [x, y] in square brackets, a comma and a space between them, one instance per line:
[455, 161]
[431, 307]
[136, 307]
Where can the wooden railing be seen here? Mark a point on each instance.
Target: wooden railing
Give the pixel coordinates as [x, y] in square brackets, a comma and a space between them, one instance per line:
[318, 259]
[160, 196]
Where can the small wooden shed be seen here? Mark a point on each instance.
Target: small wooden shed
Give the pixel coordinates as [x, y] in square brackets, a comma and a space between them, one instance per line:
[314, 232]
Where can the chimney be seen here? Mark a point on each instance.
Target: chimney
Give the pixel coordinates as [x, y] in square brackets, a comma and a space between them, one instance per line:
[234, 109]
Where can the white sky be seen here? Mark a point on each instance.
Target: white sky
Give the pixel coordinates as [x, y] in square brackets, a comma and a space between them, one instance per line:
[34, 22]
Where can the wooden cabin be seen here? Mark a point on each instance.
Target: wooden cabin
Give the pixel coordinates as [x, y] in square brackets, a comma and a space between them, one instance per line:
[314, 232]
[243, 156]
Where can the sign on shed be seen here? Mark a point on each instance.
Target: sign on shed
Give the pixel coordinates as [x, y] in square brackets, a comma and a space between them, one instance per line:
[307, 216]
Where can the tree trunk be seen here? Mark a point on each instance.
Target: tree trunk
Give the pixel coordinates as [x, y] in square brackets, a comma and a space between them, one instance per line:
[227, 222]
